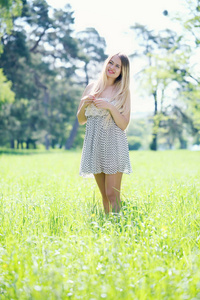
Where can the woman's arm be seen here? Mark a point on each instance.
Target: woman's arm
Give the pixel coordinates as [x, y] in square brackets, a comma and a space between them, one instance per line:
[121, 120]
[85, 101]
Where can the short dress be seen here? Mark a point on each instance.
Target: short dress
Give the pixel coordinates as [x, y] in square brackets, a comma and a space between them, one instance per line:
[105, 147]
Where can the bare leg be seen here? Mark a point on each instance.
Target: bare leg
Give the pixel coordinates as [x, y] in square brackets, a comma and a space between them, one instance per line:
[100, 179]
[112, 190]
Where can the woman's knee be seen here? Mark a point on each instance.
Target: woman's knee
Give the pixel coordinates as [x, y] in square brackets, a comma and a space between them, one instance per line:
[112, 195]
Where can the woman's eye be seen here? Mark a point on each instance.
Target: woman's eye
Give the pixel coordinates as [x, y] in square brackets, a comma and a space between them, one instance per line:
[110, 62]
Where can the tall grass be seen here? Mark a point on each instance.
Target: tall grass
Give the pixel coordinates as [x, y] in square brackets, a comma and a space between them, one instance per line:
[57, 243]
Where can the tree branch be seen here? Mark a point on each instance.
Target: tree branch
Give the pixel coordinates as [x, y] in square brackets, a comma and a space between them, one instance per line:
[38, 82]
[39, 39]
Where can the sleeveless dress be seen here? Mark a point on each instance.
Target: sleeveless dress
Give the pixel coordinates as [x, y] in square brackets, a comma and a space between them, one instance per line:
[105, 147]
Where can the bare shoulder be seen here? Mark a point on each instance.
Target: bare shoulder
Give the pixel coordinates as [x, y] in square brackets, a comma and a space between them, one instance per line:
[88, 88]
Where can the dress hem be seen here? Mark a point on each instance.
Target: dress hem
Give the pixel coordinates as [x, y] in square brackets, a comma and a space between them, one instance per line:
[91, 175]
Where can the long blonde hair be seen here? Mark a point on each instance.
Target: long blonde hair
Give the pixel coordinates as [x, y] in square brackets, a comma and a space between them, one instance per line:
[121, 83]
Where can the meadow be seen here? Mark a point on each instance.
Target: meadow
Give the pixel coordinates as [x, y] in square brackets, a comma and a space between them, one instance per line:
[56, 243]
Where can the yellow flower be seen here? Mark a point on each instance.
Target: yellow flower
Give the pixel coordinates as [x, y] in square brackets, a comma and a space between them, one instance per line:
[164, 228]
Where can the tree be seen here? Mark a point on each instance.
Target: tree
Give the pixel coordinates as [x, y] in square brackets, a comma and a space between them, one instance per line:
[138, 134]
[42, 58]
[34, 60]
[189, 75]
[92, 52]
[164, 53]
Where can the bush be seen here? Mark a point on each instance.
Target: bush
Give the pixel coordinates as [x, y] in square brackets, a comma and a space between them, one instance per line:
[134, 142]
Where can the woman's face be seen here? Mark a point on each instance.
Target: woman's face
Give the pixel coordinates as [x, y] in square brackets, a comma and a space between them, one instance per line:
[113, 68]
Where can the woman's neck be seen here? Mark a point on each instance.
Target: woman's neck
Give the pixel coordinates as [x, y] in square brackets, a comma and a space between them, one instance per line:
[110, 82]
[108, 91]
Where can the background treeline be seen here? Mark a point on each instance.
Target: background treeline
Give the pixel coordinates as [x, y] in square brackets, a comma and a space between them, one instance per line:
[45, 65]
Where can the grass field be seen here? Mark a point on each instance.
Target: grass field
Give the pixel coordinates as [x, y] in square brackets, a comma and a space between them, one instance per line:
[56, 242]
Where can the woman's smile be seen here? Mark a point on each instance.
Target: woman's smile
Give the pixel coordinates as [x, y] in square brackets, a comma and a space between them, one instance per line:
[111, 71]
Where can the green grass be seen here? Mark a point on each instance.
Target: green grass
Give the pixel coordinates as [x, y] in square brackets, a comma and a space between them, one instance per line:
[56, 242]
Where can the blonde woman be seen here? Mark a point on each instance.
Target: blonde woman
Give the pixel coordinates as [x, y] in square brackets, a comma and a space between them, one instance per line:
[105, 106]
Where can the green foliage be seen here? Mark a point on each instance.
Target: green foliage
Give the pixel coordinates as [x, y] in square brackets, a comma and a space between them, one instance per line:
[91, 52]
[63, 107]
[15, 62]
[79, 139]
[39, 59]
[56, 242]
[191, 95]
[41, 56]
[138, 134]
[134, 143]
[168, 78]
[191, 23]
[9, 9]
[6, 94]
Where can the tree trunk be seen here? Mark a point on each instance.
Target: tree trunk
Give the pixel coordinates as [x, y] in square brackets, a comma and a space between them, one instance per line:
[75, 127]
[61, 143]
[183, 143]
[12, 144]
[154, 145]
[46, 103]
[86, 74]
[47, 141]
[72, 135]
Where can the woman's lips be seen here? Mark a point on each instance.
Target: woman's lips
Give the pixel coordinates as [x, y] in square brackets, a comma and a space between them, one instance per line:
[110, 71]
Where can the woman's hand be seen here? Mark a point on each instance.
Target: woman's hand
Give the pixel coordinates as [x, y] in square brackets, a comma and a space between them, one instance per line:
[85, 101]
[121, 120]
[100, 103]
[88, 99]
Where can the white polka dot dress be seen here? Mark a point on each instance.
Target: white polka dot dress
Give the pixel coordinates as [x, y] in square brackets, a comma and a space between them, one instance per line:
[105, 148]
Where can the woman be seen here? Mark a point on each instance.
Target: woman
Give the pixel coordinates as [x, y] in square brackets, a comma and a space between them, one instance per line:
[105, 106]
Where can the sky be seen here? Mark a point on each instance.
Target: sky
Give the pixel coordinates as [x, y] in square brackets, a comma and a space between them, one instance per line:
[113, 19]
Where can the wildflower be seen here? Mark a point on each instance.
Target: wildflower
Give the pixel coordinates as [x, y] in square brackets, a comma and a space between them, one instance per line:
[164, 228]
[5, 266]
